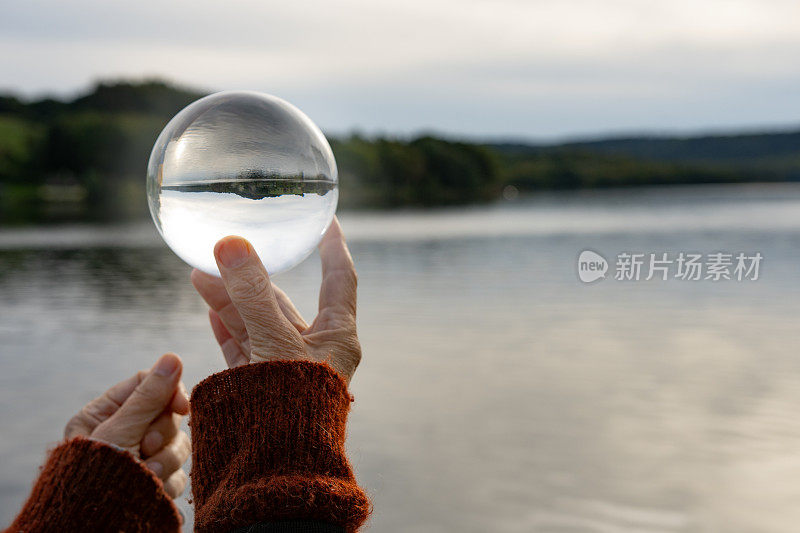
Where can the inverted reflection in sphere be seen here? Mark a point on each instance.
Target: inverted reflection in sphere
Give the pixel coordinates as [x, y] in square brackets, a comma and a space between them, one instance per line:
[247, 164]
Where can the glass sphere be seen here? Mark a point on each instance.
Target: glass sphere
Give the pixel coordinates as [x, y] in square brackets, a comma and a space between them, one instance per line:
[242, 163]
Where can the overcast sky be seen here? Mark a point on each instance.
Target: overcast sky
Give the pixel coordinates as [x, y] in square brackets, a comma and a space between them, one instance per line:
[499, 68]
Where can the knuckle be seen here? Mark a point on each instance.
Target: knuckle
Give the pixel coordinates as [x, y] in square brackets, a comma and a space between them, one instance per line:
[350, 275]
[271, 333]
[346, 351]
[352, 354]
[147, 392]
[351, 343]
[251, 288]
[91, 415]
[144, 392]
[348, 347]
[101, 408]
[344, 276]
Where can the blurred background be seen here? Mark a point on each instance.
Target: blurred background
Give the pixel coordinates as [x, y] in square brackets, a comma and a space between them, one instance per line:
[481, 147]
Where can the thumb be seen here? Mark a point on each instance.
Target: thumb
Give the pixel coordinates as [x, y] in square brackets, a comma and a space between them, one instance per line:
[248, 285]
[127, 426]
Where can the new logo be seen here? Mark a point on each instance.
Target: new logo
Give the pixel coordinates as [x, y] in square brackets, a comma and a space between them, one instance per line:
[591, 266]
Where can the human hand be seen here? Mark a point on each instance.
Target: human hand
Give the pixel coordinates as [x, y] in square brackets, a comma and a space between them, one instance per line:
[253, 320]
[142, 415]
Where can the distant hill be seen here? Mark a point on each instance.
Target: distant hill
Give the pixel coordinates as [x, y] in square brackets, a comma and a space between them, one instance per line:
[764, 156]
[152, 97]
[702, 148]
[85, 158]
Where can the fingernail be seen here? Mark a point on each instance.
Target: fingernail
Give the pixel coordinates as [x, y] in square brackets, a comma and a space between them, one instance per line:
[156, 467]
[233, 252]
[167, 365]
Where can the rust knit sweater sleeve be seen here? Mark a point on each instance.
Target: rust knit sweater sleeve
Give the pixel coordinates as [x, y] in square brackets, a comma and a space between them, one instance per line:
[268, 446]
[86, 485]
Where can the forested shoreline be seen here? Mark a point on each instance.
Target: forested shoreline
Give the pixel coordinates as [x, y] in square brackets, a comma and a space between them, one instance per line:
[84, 159]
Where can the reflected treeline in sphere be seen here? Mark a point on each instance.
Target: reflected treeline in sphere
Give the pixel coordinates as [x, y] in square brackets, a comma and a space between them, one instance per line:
[242, 163]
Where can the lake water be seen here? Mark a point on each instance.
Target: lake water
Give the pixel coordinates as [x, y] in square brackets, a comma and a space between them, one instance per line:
[497, 392]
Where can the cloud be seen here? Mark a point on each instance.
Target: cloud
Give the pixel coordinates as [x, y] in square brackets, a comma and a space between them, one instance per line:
[474, 67]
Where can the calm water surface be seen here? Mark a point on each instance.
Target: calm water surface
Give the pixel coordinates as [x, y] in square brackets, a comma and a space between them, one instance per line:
[497, 392]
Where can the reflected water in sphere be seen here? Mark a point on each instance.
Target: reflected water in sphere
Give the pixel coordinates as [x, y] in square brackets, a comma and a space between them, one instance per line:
[242, 163]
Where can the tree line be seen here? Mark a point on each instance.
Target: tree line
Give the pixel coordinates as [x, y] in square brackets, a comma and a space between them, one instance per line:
[85, 158]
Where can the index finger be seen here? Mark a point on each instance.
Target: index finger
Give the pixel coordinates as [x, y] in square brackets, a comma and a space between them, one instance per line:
[339, 278]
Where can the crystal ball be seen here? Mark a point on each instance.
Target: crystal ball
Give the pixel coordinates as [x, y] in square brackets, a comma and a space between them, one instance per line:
[247, 164]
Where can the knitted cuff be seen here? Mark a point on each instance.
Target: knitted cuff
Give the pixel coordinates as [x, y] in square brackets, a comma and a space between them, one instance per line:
[86, 485]
[268, 445]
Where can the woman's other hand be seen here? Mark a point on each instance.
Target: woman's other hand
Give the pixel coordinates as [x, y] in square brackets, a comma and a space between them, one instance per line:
[253, 320]
[142, 415]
